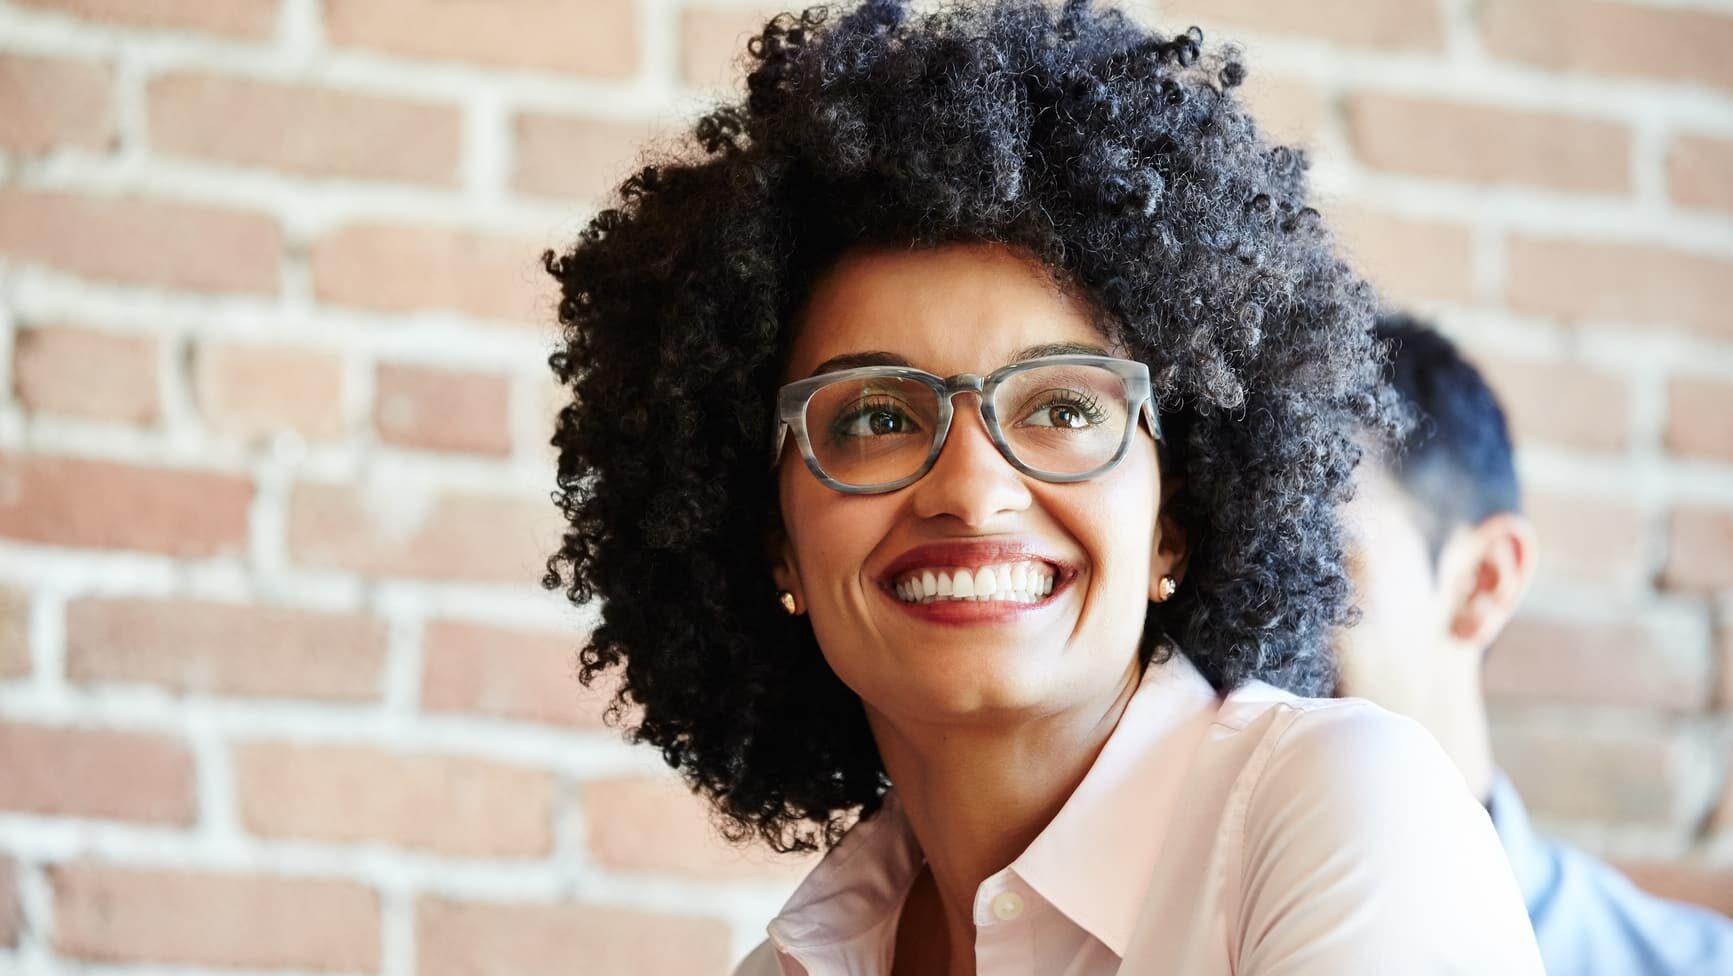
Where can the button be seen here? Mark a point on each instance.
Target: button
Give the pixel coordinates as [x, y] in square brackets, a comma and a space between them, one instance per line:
[1007, 905]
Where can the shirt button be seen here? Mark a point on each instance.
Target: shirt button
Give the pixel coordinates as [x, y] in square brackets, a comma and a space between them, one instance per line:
[1007, 905]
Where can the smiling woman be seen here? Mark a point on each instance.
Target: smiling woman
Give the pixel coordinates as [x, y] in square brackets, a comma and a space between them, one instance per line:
[957, 431]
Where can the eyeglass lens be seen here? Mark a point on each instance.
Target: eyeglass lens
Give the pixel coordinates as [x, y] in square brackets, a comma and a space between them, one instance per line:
[1060, 419]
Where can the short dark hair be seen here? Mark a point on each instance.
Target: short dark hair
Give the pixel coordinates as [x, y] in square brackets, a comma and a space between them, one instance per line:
[1119, 158]
[1455, 460]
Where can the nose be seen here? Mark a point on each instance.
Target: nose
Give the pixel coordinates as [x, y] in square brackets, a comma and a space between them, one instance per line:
[970, 480]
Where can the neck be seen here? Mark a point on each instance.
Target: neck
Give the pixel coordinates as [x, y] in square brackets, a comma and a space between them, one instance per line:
[1455, 714]
[978, 793]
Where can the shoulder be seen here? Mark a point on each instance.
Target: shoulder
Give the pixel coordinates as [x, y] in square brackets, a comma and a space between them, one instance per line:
[1358, 836]
[761, 961]
[1347, 747]
[1312, 748]
[1346, 771]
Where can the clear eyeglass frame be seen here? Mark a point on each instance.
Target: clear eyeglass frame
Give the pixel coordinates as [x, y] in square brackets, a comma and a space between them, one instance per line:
[793, 398]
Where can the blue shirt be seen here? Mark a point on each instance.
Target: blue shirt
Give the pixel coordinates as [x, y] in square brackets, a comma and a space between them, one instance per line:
[1590, 920]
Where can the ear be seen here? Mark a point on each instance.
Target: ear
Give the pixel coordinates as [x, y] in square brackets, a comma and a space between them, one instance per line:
[1168, 552]
[1492, 565]
[779, 550]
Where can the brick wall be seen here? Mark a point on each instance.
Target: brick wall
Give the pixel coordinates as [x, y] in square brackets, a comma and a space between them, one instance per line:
[277, 689]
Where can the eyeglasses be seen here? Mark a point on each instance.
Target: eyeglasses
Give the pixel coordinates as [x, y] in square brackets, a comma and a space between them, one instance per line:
[874, 429]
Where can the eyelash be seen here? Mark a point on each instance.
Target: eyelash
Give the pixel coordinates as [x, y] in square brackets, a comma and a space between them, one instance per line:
[866, 406]
[1088, 404]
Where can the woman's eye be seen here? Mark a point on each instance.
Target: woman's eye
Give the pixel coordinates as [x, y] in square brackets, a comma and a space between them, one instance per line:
[1062, 412]
[1058, 415]
[875, 422]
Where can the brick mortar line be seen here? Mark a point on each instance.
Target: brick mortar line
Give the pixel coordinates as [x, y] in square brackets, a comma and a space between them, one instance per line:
[1581, 217]
[354, 69]
[1461, 36]
[46, 637]
[301, 28]
[403, 871]
[305, 207]
[177, 396]
[120, 574]
[1649, 145]
[488, 151]
[267, 555]
[1570, 718]
[197, 451]
[36, 908]
[1478, 80]
[403, 669]
[1611, 346]
[1617, 475]
[1709, 6]
[397, 935]
[1588, 604]
[1489, 267]
[584, 756]
[425, 338]
[659, 45]
[129, 112]
[8, 330]
[216, 798]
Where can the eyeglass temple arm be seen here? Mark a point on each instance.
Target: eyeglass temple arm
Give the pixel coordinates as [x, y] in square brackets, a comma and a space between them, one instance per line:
[1154, 419]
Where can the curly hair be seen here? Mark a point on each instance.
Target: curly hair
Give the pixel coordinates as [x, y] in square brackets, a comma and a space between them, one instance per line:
[1118, 157]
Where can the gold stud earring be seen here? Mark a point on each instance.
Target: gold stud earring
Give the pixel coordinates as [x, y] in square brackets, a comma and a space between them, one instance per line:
[788, 603]
[1165, 589]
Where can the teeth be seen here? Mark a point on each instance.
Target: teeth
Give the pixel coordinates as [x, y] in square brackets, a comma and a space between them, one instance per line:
[1022, 582]
[963, 584]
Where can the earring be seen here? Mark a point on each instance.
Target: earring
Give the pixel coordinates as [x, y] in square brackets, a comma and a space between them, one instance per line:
[1165, 589]
[788, 603]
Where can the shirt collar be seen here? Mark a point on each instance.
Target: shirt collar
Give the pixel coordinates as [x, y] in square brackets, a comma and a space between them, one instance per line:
[1093, 862]
[1527, 854]
[854, 890]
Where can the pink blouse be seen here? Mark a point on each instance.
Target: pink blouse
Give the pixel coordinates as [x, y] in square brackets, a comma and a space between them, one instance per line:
[1258, 834]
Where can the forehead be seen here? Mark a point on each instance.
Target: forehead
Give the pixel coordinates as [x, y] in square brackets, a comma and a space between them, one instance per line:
[953, 309]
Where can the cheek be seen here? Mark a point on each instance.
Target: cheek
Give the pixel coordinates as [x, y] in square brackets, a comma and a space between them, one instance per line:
[1114, 521]
[831, 533]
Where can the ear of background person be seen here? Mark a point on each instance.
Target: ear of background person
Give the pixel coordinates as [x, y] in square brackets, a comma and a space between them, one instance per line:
[278, 689]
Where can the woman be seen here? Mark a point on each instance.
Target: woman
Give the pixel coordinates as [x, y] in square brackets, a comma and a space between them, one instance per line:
[956, 437]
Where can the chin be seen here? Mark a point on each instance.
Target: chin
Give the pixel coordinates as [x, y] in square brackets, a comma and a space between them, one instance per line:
[973, 680]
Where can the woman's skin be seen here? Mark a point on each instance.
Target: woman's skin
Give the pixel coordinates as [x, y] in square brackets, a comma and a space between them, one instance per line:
[987, 724]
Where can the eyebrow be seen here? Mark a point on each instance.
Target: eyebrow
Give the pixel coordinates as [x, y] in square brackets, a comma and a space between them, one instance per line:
[855, 360]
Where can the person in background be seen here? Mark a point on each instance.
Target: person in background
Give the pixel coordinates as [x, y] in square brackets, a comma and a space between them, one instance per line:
[1441, 555]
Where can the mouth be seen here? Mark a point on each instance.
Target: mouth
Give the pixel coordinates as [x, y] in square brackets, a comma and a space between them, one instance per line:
[1004, 575]
[1025, 581]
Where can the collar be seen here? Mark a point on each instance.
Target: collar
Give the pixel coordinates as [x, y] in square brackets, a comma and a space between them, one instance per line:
[1527, 853]
[1093, 862]
[857, 887]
